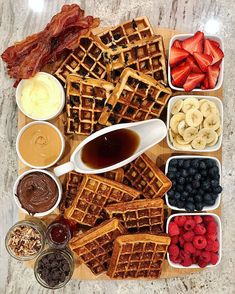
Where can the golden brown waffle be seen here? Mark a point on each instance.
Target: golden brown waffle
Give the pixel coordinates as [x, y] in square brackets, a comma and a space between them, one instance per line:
[116, 175]
[85, 102]
[138, 256]
[127, 32]
[139, 215]
[86, 61]
[95, 246]
[93, 194]
[136, 97]
[145, 176]
[146, 56]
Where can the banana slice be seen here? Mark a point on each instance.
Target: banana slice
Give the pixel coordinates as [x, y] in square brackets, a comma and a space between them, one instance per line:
[182, 147]
[177, 106]
[181, 127]
[180, 140]
[201, 101]
[190, 103]
[212, 121]
[175, 120]
[171, 135]
[208, 134]
[214, 141]
[193, 117]
[189, 134]
[198, 143]
[208, 108]
[219, 131]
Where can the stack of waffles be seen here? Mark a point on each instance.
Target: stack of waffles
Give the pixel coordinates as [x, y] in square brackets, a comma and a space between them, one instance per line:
[116, 76]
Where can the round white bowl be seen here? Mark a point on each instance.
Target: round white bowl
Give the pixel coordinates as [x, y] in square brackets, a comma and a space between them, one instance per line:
[19, 91]
[219, 237]
[59, 186]
[182, 37]
[205, 208]
[22, 131]
[218, 103]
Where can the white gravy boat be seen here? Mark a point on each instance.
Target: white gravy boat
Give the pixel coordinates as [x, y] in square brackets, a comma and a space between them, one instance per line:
[150, 132]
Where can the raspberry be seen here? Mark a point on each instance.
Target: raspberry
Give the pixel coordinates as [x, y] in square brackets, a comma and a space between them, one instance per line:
[181, 231]
[188, 236]
[214, 258]
[205, 256]
[173, 250]
[197, 219]
[183, 255]
[189, 224]
[211, 237]
[173, 229]
[194, 259]
[209, 245]
[189, 248]
[215, 246]
[199, 242]
[208, 218]
[174, 239]
[181, 241]
[175, 259]
[202, 263]
[199, 229]
[197, 252]
[180, 220]
[187, 262]
[211, 227]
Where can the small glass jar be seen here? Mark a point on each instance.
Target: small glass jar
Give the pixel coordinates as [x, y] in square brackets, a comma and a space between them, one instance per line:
[25, 240]
[58, 234]
[66, 255]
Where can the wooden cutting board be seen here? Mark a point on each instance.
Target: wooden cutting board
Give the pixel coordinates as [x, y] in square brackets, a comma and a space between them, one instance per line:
[159, 154]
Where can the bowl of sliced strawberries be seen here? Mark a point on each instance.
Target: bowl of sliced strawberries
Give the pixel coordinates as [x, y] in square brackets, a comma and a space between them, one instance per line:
[195, 62]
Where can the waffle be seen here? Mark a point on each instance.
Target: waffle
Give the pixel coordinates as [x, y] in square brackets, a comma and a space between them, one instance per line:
[147, 56]
[127, 32]
[74, 180]
[86, 60]
[136, 97]
[94, 247]
[85, 101]
[139, 215]
[138, 256]
[145, 176]
[93, 194]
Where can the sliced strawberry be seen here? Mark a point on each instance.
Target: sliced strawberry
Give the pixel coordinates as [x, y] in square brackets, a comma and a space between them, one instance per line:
[193, 65]
[177, 44]
[194, 43]
[203, 60]
[205, 84]
[177, 55]
[213, 74]
[217, 44]
[180, 74]
[211, 49]
[192, 81]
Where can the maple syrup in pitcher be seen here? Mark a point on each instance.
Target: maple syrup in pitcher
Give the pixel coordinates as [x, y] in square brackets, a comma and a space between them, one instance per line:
[110, 148]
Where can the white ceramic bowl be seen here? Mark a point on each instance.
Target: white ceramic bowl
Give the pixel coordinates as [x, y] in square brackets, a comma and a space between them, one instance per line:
[218, 103]
[61, 89]
[182, 37]
[59, 186]
[22, 131]
[219, 237]
[205, 208]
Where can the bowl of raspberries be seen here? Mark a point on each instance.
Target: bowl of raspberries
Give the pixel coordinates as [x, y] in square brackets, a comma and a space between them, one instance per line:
[195, 240]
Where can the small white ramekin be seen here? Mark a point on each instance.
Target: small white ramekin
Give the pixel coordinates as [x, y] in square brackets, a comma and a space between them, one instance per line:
[182, 37]
[18, 95]
[23, 130]
[58, 183]
[218, 103]
[219, 237]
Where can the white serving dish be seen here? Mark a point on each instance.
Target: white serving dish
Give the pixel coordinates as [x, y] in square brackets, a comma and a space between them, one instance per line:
[205, 208]
[182, 37]
[214, 99]
[219, 237]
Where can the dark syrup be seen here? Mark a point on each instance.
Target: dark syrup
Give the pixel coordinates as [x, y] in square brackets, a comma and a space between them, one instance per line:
[110, 148]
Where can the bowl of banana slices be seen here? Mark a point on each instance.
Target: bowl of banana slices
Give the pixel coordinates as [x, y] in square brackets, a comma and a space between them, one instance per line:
[194, 123]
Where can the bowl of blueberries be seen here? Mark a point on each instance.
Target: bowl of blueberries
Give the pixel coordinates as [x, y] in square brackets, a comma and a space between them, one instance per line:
[196, 183]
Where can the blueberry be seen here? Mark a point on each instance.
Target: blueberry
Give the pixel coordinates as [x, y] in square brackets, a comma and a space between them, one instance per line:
[177, 175]
[174, 182]
[196, 184]
[197, 198]
[179, 188]
[186, 164]
[216, 177]
[202, 165]
[171, 193]
[184, 173]
[185, 194]
[218, 189]
[189, 179]
[211, 202]
[192, 171]
[210, 163]
[181, 180]
[182, 197]
[207, 198]
[189, 206]
[180, 204]
[214, 196]
[214, 183]
[170, 175]
[205, 185]
[195, 163]
[190, 199]
[213, 171]
[200, 192]
[177, 195]
[172, 201]
[197, 177]
[180, 162]
[188, 188]
[203, 173]
[172, 169]
[199, 206]
[173, 162]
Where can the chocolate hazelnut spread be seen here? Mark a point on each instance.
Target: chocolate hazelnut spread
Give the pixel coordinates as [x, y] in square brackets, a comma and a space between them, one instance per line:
[37, 192]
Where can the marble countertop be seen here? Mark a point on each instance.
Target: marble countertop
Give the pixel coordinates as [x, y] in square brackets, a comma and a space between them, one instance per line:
[20, 18]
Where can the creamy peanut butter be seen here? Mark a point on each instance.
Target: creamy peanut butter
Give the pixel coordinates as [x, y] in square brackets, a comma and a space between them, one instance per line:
[40, 145]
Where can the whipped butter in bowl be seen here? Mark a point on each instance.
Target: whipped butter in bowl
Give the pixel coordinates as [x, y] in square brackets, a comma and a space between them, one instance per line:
[41, 97]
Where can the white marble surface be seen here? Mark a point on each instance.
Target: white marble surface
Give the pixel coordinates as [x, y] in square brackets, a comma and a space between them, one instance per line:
[17, 21]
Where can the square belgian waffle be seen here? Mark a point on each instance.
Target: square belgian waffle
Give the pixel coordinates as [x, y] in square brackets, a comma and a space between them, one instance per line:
[86, 60]
[85, 102]
[145, 176]
[147, 56]
[93, 194]
[136, 97]
[139, 215]
[127, 32]
[138, 256]
[94, 247]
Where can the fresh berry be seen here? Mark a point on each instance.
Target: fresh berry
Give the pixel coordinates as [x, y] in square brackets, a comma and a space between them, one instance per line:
[211, 227]
[189, 224]
[173, 250]
[180, 220]
[215, 43]
[209, 245]
[197, 252]
[192, 81]
[193, 65]
[177, 55]
[214, 258]
[173, 229]
[215, 246]
[187, 262]
[208, 218]
[197, 219]
[181, 241]
[188, 236]
[202, 263]
[205, 256]
[177, 44]
[175, 259]
[184, 254]
[194, 43]
[199, 242]
[213, 74]
[189, 248]
[199, 229]
[211, 236]
[179, 74]
[213, 50]
[174, 239]
[203, 60]
[205, 83]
